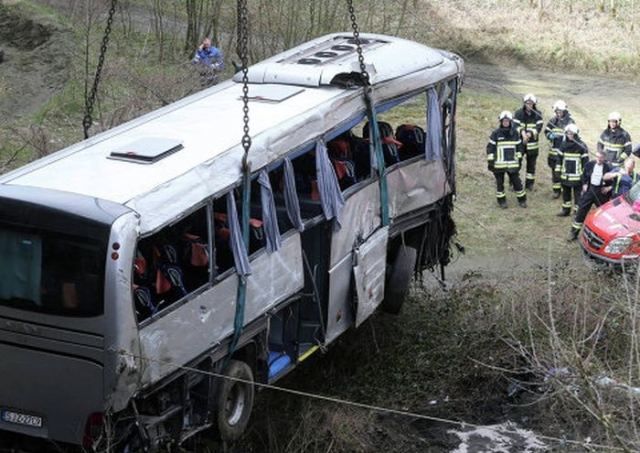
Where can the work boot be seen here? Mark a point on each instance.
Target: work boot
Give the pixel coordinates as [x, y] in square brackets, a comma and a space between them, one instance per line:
[556, 195]
[522, 203]
[573, 235]
[502, 203]
[564, 213]
[528, 185]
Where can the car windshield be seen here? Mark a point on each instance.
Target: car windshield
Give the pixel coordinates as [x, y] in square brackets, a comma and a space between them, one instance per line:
[51, 272]
[634, 193]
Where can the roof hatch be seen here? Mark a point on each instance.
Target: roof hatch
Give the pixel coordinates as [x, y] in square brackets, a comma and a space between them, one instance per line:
[148, 150]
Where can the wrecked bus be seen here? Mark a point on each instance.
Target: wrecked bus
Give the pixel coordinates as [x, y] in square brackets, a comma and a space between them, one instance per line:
[122, 255]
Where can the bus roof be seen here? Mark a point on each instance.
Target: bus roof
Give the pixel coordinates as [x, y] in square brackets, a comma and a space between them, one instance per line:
[170, 159]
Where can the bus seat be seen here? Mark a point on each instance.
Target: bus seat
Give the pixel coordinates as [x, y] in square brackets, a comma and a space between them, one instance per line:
[412, 138]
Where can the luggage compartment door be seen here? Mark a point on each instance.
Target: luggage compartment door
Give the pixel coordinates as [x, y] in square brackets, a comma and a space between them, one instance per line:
[369, 272]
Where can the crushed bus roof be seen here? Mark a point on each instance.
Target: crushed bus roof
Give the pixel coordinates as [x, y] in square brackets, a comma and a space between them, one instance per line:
[209, 127]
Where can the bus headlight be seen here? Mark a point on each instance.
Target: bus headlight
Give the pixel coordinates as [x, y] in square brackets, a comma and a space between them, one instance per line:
[618, 245]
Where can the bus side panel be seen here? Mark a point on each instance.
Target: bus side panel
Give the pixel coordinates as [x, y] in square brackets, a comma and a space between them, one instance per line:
[415, 186]
[200, 324]
[274, 277]
[359, 219]
[190, 330]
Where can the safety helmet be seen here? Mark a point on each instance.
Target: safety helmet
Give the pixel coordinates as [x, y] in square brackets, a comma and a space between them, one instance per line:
[615, 116]
[560, 105]
[529, 97]
[505, 114]
[572, 128]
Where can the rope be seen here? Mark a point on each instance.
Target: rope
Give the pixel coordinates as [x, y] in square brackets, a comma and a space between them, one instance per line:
[370, 407]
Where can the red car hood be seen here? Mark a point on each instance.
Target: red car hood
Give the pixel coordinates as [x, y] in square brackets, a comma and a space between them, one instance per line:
[615, 218]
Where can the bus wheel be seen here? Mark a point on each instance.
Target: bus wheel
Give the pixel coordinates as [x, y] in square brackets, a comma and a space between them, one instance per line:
[397, 285]
[235, 400]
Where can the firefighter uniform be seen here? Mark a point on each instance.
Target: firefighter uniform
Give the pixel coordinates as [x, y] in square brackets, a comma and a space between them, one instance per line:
[504, 155]
[555, 133]
[530, 122]
[616, 143]
[593, 184]
[573, 155]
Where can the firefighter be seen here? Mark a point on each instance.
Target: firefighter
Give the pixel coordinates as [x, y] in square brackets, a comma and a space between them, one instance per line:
[573, 155]
[615, 141]
[555, 133]
[504, 155]
[594, 190]
[528, 120]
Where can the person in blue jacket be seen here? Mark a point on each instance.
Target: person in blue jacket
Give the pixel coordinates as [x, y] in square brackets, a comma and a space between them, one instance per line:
[208, 55]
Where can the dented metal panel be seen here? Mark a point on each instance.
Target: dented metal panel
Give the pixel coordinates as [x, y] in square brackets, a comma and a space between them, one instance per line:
[360, 217]
[206, 320]
[369, 273]
[274, 277]
[416, 185]
[340, 313]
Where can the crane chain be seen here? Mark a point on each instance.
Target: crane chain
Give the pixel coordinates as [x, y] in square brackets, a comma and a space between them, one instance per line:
[356, 38]
[242, 51]
[90, 100]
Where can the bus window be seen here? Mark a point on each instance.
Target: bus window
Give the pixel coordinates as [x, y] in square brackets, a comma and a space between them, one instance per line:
[223, 256]
[51, 273]
[171, 264]
[304, 168]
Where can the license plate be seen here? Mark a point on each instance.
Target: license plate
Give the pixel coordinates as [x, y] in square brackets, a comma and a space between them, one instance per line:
[21, 419]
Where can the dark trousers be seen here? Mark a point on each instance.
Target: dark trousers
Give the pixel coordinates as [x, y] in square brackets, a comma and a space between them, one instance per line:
[567, 191]
[514, 180]
[555, 175]
[531, 157]
[592, 196]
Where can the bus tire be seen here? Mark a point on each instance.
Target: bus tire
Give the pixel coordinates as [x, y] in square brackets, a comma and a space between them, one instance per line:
[397, 285]
[234, 401]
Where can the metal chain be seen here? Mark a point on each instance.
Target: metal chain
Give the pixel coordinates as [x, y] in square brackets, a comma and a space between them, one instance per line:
[243, 39]
[90, 101]
[356, 38]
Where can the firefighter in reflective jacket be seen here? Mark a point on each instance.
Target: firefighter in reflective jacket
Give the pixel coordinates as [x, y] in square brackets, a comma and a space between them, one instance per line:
[615, 141]
[504, 155]
[573, 155]
[555, 133]
[528, 120]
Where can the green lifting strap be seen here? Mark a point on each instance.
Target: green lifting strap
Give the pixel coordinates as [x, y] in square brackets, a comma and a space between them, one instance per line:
[241, 294]
[379, 155]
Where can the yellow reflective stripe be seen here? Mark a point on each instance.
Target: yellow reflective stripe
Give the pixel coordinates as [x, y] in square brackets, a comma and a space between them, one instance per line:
[492, 142]
[613, 145]
[566, 204]
[505, 143]
[490, 157]
[500, 195]
[521, 194]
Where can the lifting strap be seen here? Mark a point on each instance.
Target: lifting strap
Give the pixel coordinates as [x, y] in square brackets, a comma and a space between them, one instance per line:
[374, 130]
[241, 49]
[90, 98]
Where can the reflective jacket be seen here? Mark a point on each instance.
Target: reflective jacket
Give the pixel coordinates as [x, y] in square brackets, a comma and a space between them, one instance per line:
[623, 182]
[572, 159]
[530, 122]
[504, 150]
[616, 143]
[555, 131]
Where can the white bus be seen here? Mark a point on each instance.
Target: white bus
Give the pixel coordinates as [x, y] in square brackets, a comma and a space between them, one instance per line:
[122, 255]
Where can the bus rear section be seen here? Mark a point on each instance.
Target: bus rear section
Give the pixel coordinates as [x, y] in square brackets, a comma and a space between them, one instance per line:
[53, 249]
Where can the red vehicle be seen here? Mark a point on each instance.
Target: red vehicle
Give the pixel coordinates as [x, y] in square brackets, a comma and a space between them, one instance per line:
[611, 233]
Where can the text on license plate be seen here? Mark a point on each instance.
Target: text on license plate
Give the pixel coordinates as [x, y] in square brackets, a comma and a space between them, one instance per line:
[21, 419]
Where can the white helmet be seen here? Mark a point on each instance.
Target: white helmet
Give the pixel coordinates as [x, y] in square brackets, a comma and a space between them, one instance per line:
[505, 114]
[560, 105]
[572, 128]
[615, 116]
[530, 97]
